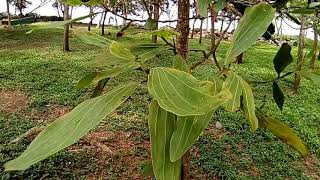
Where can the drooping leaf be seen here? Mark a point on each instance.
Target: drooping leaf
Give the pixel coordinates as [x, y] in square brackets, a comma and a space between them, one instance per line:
[120, 51]
[93, 39]
[282, 131]
[278, 95]
[188, 129]
[314, 4]
[219, 4]
[252, 25]
[315, 78]
[180, 64]
[292, 18]
[105, 58]
[303, 11]
[69, 128]
[242, 97]
[283, 58]
[165, 33]
[115, 71]
[86, 80]
[99, 87]
[161, 127]
[203, 7]
[150, 24]
[151, 53]
[182, 94]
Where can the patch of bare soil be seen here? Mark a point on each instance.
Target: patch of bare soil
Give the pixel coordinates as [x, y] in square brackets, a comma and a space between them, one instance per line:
[51, 112]
[312, 165]
[116, 154]
[13, 101]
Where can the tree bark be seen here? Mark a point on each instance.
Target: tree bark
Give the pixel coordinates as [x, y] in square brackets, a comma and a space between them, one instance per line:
[201, 30]
[315, 44]
[9, 16]
[156, 17]
[297, 80]
[182, 49]
[103, 21]
[193, 26]
[213, 31]
[183, 28]
[70, 17]
[66, 28]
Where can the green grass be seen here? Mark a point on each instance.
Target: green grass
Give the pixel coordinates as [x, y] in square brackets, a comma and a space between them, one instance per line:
[36, 64]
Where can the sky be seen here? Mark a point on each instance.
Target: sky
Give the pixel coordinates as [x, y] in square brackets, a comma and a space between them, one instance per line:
[288, 27]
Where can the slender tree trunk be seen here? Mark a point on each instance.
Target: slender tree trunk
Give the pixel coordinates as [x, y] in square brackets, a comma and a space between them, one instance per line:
[183, 28]
[300, 56]
[193, 25]
[70, 17]
[9, 16]
[315, 44]
[103, 21]
[182, 49]
[201, 30]
[91, 19]
[66, 28]
[213, 31]
[156, 17]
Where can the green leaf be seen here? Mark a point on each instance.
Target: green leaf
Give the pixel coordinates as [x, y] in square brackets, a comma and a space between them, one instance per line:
[120, 51]
[252, 25]
[180, 64]
[93, 39]
[278, 95]
[165, 33]
[161, 127]
[203, 7]
[292, 18]
[303, 11]
[150, 24]
[151, 53]
[282, 131]
[219, 4]
[315, 78]
[105, 58]
[188, 129]
[314, 4]
[86, 80]
[116, 71]
[69, 128]
[242, 96]
[182, 94]
[283, 58]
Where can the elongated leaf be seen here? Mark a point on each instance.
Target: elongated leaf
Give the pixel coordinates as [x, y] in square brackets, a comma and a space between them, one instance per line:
[278, 95]
[86, 80]
[188, 129]
[282, 131]
[161, 127]
[165, 33]
[303, 11]
[151, 54]
[203, 7]
[283, 58]
[249, 106]
[252, 25]
[315, 78]
[105, 58]
[69, 128]
[292, 18]
[120, 51]
[242, 96]
[116, 71]
[182, 94]
[93, 39]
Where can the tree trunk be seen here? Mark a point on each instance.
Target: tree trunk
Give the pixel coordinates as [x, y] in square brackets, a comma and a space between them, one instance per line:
[66, 28]
[315, 44]
[300, 57]
[70, 17]
[193, 25]
[183, 28]
[91, 18]
[9, 16]
[103, 21]
[182, 49]
[213, 31]
[201, 30]
[156, 17]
